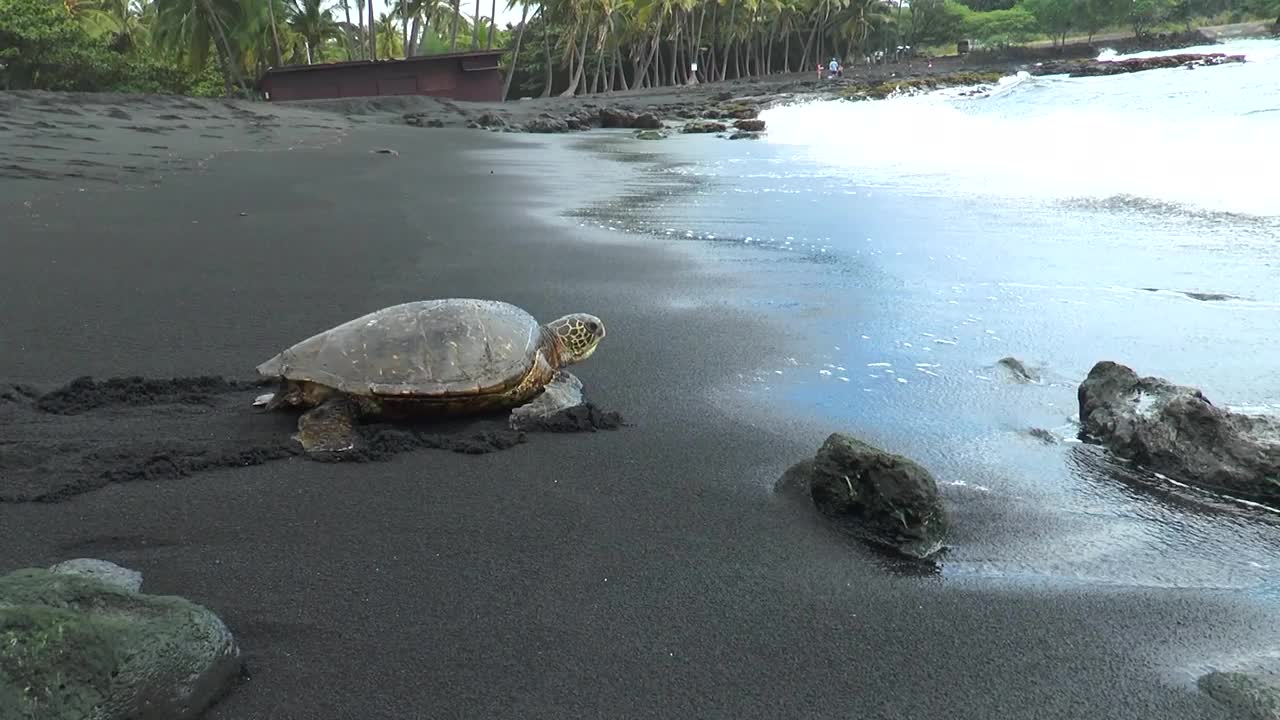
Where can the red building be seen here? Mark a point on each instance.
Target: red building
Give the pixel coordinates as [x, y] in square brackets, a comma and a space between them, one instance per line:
[461, 76]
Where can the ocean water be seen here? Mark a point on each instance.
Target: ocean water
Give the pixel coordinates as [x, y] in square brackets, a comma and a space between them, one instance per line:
[911, 243]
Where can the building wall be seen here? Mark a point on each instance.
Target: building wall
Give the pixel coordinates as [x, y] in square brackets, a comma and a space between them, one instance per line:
[462, 78]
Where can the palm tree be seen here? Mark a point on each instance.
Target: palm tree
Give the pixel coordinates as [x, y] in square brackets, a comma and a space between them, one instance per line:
[191, 28]
[493, 22]
[475, 26]
[314, 24]
[348, 28]
[275, 33]
[388, 36]
[453, 26]
[515, 51]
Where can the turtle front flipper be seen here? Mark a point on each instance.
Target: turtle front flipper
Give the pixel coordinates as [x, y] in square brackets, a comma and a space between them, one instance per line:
[563, 392]
[328, 427]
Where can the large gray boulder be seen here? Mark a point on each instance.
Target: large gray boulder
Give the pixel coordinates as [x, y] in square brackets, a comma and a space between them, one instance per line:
[872, 494]
[1175, 430]
[1254, 696]
[79, 642]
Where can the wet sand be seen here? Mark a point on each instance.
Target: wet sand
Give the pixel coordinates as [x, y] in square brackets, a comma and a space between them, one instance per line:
[647, 571]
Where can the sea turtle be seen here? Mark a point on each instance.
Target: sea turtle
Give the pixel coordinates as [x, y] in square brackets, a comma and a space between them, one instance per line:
[427, 358]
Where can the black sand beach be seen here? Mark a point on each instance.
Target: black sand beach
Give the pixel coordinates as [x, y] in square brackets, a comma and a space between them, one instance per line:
[643, 572]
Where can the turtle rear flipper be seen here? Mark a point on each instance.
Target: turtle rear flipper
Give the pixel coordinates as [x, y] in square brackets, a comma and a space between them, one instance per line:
[328, 427]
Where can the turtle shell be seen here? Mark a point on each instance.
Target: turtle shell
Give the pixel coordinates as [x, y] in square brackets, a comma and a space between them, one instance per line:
[429, 348]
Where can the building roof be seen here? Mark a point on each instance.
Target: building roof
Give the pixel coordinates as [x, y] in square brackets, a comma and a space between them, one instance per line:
[383, 63]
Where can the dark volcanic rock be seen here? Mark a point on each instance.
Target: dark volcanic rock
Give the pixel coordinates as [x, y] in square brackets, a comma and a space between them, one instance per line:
[749, 125]
[704, 126]
[743, 135]
[546, 124]
[615, 118]
[1175, 430]
[647, 121]
[490, 120]
[1018, 370]
[872, 494]
[1091, 68]
[581, 120]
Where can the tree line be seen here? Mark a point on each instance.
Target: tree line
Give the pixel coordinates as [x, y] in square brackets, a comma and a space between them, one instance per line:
[560, 47]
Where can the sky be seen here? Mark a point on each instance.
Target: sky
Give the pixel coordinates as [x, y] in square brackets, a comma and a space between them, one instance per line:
[468, 7]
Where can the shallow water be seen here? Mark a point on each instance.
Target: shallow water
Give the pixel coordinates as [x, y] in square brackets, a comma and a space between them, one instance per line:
[912, 243]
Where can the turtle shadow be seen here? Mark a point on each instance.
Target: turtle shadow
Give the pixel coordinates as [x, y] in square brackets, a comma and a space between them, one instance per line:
[90, 433]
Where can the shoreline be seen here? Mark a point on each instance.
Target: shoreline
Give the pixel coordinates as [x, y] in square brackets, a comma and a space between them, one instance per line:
[732, 101]
[572, 575]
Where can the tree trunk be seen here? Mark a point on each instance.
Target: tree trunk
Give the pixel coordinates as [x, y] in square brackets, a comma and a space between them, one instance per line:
[360, 20]
[695, 45]
[600, 43]
[675, 43]
[622, 69]
[475, 27]
[373, 33]
[809, 46]
[657, 67]
[346, 31]
[613, 73]
[275, 36]
[515, 51]
[638, 73]
[768, 50]
[546, 49]
[724, 61]
[578, 61]
[453, 26]
[653, 53]
[231, 69]
[411, 49]
[404, 22]
[786, 53]
[493, 22]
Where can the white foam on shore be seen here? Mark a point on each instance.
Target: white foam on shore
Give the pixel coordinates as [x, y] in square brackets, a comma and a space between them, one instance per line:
[1060, 139]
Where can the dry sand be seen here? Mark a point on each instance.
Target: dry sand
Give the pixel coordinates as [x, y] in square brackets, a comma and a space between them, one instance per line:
[643, 572]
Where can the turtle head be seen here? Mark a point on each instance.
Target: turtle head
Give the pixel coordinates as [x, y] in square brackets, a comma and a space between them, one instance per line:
[577, 336]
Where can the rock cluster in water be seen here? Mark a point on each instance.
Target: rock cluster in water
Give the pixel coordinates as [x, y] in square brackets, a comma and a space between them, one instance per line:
[1091, 68]
[875, 495]
[1177, 431]
[79, 641]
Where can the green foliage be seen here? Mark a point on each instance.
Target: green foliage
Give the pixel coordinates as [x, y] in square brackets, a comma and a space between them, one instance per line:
[1146, 14]
[935, 22]
[988, 5]
[1093, 16]
[1054, 17]
[40, 44]
[45, 48]
[1001, 28]
[1269, 9]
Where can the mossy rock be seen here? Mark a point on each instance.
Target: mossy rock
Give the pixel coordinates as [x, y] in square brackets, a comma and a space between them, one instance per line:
[76, 647]
[878, 496]
[1251, 695]
[883, 89]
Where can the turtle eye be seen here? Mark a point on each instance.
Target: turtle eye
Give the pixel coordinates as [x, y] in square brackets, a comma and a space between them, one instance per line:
[593, 328]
